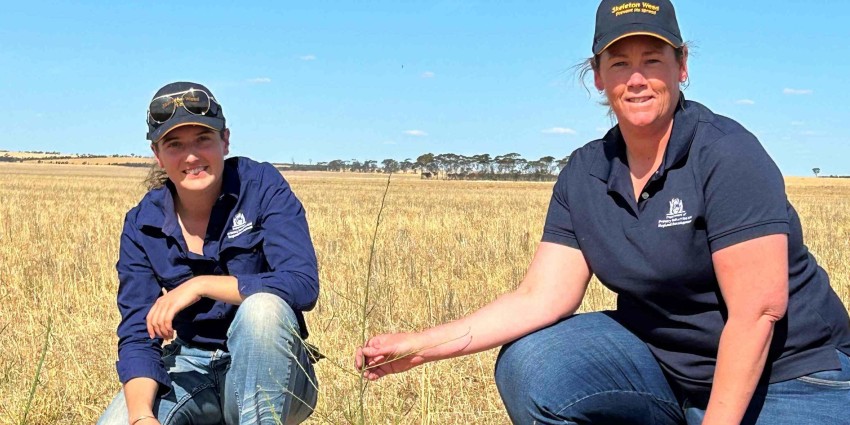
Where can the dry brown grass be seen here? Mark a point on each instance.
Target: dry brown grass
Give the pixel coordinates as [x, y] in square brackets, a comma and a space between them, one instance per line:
[443, 249]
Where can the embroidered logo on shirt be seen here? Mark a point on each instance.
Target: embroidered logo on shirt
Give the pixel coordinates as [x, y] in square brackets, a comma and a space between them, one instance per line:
[676, 208]
[240, 226]
[676, 215]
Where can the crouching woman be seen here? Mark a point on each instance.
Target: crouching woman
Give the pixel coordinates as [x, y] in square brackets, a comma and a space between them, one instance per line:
[219, 260]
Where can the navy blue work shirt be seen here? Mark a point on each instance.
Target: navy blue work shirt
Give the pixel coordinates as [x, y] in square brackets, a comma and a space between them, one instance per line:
[716, 187]
[257, 233]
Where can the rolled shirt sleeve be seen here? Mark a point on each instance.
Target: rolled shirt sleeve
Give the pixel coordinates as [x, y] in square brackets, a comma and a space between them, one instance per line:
[293, 269]
[138, 354]
[744, 192]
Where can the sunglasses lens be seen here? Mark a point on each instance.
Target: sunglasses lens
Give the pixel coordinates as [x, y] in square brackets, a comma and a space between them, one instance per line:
[162, 108]
[196, 102]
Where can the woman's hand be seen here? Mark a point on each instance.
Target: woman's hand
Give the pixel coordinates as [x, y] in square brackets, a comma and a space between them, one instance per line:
[167, 306]
[389, 353]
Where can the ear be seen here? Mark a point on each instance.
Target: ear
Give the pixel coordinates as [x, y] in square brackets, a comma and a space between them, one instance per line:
[597, 77]
[597, 81]
[225, 137]
[155, 151]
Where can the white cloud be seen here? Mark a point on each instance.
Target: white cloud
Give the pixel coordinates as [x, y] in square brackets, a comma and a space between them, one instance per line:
[798, 123]
[308, 57]
[745, 102]
[260, 80]
[417, 133]
[797, 91]
[559, 130]
[428, 74]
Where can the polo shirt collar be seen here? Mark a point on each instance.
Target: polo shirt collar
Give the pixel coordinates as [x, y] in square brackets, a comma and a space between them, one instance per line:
[157, 210]
[611, 165]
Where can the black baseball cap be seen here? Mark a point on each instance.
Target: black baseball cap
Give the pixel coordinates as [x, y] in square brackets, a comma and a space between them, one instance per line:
[213, 118]
[617, 19]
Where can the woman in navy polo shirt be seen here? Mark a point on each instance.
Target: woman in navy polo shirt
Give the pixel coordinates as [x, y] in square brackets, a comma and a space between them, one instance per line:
[722, 314]
[217, 256]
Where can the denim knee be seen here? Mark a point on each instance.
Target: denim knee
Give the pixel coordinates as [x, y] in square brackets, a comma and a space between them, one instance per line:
[516, 372]
[262, 315]
[584, 369]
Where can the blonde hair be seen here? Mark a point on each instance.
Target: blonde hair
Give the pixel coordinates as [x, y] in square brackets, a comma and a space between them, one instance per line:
[156, 177]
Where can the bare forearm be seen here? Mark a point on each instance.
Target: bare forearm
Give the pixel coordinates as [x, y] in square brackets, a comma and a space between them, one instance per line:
[741, 358]
[139, 394]
[509, 317]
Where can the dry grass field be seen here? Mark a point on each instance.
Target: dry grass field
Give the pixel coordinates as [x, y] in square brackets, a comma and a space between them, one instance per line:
[443, 249]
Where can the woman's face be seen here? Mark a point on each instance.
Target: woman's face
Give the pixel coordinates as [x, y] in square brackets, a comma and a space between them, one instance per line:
[640, 76]
[193, 157]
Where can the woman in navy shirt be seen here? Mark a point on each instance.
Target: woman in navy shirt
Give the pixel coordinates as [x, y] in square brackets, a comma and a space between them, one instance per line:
[217, 256]
[722, 314]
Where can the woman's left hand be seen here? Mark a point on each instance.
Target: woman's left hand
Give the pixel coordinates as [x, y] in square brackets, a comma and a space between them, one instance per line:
[167, 306]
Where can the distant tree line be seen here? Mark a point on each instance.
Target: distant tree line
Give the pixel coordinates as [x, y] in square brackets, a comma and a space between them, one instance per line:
[8, 158]
[510, 166]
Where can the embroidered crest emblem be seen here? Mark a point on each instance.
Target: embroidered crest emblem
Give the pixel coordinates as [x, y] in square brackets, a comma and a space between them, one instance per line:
[676, 215]
[240, 226]
[676, 208]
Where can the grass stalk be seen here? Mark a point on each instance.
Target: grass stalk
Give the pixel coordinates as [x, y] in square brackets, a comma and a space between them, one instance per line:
[37, 371]
[365, 311]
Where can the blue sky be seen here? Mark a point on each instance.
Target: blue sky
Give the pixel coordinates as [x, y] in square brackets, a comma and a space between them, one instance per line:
[316, 81]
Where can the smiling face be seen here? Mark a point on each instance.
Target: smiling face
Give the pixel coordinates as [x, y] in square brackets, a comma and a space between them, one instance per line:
[193, 157]
[640, 76]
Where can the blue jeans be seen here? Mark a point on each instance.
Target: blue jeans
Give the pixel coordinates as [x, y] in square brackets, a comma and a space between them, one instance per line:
[588, 369]
[265, 377]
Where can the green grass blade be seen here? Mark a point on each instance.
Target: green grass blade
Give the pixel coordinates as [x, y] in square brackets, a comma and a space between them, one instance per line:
[38, 371]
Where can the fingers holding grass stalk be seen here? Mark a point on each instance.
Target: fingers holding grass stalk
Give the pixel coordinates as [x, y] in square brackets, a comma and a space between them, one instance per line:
[399, 352]
[389, 353]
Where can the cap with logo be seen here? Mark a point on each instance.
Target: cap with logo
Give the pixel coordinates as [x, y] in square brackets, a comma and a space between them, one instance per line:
[616, 19]
[180, 104]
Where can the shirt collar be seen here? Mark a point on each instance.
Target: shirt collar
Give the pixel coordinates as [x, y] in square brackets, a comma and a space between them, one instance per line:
[611, 162]
[231, 186]
[157, 209]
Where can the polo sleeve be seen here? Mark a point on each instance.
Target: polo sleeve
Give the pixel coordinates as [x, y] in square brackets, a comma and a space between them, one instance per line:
[138, 289]
[559, 225]
[744, 192]
[293, 269]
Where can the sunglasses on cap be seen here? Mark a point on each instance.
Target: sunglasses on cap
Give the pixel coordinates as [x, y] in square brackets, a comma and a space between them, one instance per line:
[194, 101]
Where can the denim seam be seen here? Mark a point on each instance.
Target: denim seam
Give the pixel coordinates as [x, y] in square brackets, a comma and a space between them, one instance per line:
[651, 395]
[180, 403]
[825, 382]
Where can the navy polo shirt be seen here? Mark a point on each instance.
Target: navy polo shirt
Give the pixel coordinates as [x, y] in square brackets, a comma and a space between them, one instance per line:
[716, 187]
[257, 232]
